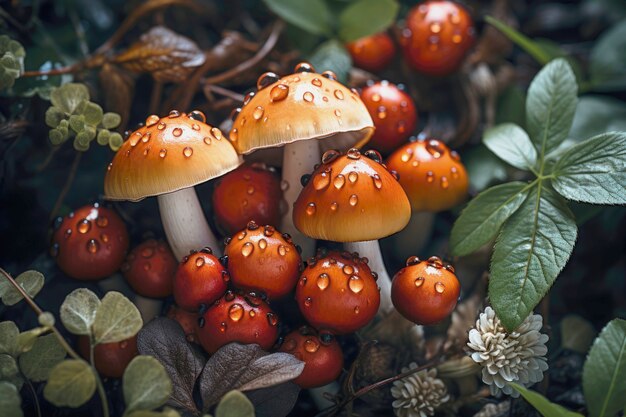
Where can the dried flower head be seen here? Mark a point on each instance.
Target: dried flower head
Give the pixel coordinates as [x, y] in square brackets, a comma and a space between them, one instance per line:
[518, 356]
[419, 394]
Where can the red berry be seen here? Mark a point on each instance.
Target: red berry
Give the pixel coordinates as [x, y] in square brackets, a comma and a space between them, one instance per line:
[337, 292]
[437, 36]
[90, 243]
[372, 53]
[245, 319]
[110, 359]
[394, 115]
[323, 361]
[261, 259]
[251, 192]
[149, 268]
[425, 292]
[188, 321]
[200, 279]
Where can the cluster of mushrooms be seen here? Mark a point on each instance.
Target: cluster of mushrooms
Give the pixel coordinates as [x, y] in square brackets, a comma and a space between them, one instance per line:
[333, 190]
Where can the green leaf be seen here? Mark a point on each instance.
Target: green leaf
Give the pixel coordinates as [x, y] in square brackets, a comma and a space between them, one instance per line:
[598, 114]
[604, 373]
[30, 281]
[550, 105]
[234, 404]
[111, 120]
[511, 143]
[594, 171]
[71, 384]
[146, 384]
[26, 340]
[46, 353]
[606, 68]
[314, 16]
[69, 96]
[117, 319]
[483, 217]
[8, 338]
[532, 48]
[115, 141]
[532, 248]
[542, 404]
[92, 113]
[8, 367]
[77, 123]
[78, 311]
[10, 400]
[366, 17]
[54, 116]
[333, 56]
[103, 137]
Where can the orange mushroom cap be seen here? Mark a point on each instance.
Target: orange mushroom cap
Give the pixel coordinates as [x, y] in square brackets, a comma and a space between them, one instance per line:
[300, 106]
[351, 198]
[431, 174]
[149, 269]
[166, 155]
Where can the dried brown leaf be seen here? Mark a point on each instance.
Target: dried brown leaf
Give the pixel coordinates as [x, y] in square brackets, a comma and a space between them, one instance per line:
[118, 87]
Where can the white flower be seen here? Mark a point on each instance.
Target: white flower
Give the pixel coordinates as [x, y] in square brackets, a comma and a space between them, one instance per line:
[509, 357]
[419, 394]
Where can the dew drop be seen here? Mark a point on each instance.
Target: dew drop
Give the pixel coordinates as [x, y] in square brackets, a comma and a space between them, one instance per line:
[356, 310]
[290, 344]
[457, 38]
[83, 226]
[102, 221]
[405, 157]
[197, 115]
[304, 67]
[354, 199]
[382, 112]
[444, 183]
[177, 132]
[195, 127]
[401, 126]
[338, 94]
[174, 114]
[355, 284]
[262, 244]
[266, 79]
[439, 287]
[147, 252]
[337, 112]
[419, 281]
[316, 82]
[187, 152]
[329, 156]
[161, 126]
[258, 113]
[216, 133]
[339, 181]
[374, 155]
[353, 177]
[330, 75]
[303, 281]
[152, 120]
[348, 270]
[247, 249]
[279, 92]
[430, 176]
[222, 327]
[284, 185]
[435, 261]
[455, 172]
[378, 183]
[311, 345]
[199, 261]
[250, 190]
[104, 237]
[353, 153]
[162, 153]
[269, 230]
[229, 296]
[308, 301]
[376, 97]
[134, 140]
[68, 233]
[234, 134]
[323, 280]
[334, 206]
[252, 314]
[435, 148]
[321, 180]
[93, 246]
[235, 312]
[242, 235]
[308, 96]
[272, 319]
[282, 250]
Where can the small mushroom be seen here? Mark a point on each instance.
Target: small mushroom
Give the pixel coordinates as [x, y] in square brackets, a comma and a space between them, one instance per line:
[149, 269]
[200, 280]
[110, 359]
[89, 243]
[166, 158]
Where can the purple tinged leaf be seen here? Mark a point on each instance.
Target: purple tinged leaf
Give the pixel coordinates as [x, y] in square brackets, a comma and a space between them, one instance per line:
[276, 401]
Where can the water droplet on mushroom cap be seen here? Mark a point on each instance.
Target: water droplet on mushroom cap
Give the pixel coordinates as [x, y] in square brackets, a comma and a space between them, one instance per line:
[279, 92]
[266, 79]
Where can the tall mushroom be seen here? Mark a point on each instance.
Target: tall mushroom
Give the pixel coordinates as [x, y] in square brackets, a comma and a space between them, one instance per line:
[295, 112]
[352, 198]
[166, 158]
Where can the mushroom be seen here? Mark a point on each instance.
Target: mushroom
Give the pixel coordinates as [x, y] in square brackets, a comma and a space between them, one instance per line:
[166, 158]
[353, 198]
[187, 320]
[110, 359]
[296, 111]
[262, 259]
[89, 243]
[434, 179]
[149, 269]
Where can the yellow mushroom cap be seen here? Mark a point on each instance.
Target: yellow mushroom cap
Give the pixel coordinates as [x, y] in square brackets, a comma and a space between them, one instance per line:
[351, 198]
[301, 106]
[166, 155]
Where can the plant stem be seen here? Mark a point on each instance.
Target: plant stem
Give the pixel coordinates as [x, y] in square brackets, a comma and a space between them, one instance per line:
[34, 394]
[101, 392]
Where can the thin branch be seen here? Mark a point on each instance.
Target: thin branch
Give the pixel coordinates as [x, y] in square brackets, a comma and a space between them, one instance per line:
[101, 391]
[67, 186]
[33, 393]
[222, 92]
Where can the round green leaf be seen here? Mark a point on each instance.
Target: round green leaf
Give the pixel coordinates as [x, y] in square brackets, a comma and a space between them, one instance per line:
[115, 141]
[92, 113]
[366, 17]
[54, 116]
[234, 404]
[117, 319]
[8, 367]
[46, 319]
[103, 137]
[314, 16]
[37, 363]
[10, 400]
[71, 383]
[82, 144]
[78, 311]
[8, 338]
[30, 281]
[77, 122]
[146, 384]
[333, 56]
[68, 97]
[111, 120]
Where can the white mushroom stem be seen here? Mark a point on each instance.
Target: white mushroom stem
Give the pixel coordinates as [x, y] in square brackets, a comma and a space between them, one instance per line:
[370, 249]
[299, 158]
[413, 238]
[185, 226]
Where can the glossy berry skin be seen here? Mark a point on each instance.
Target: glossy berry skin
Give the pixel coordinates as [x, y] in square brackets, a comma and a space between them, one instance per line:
[372, 53]
[425, 292]
[90, 243]
[323, 360]
[262, 259]
[337, 292]
[437, 36]
[149, 269]
[111, 359]
[250, 192]
[393, 112]
[200, 280]
[238, 318]
[187, 320]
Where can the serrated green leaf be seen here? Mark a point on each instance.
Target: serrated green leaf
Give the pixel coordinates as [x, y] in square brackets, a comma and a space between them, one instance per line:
[146, 384]
[8, 367]
[604, 373]
[92, 113]
[31, 281]
[333, 56]
[78, 311]
[234, 404]
[117, 319]
[550, 105]
[530, 251]
[483, 217]
[542, 404]
[111, 120]
[46, 353]
[366, 17]
[77, 122]
[511, 144]
[10, 400]
[26, 340]
[594, 171]
[314, 16]
[71, 384]
[607, 58]
[8, 338]
[115, 141]
[54, 116]
[69, 96]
